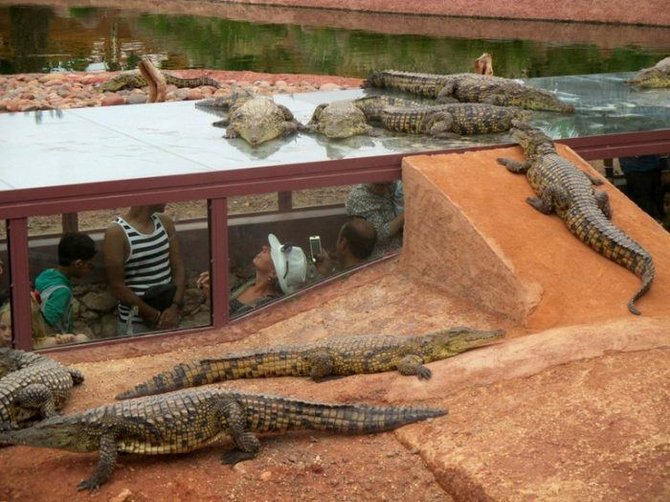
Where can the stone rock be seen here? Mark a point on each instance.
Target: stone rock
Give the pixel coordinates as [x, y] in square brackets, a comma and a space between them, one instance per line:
[113, 100]
[136, 99]
[102, 301]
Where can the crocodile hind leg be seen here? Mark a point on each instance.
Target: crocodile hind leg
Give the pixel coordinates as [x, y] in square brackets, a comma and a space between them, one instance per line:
[37, 397]
[603, 201]
[413, 365]
[551, 198]
[440, 124]
[320, 364]
[247, 444]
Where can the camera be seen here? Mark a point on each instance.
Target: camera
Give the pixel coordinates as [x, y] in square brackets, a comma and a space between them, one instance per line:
[314, 246]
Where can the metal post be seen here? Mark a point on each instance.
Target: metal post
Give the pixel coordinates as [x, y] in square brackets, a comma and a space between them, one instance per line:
[218, 241]
[19, 282]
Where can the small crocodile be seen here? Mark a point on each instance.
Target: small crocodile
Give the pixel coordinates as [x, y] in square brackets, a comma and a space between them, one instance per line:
[469, 87]
[451, 120]
[336, 357]
[183, 421]
[566, 190]
[658, 76]
[134, 80]
[32, 386]
[258, 120]
[222, 105]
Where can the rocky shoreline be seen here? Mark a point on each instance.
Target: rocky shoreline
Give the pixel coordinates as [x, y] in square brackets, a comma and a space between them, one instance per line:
[49, 91]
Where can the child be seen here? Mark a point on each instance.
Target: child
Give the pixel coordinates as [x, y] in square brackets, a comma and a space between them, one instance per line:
[75, 252]
[5, 326]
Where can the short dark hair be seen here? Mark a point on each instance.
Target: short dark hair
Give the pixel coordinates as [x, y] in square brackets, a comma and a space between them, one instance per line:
[361, 236]
[75, 246]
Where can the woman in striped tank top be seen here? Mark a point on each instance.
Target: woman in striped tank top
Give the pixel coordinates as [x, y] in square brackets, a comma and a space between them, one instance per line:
[142, 250]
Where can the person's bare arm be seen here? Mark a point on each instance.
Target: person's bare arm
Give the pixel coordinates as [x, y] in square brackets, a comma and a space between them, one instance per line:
[115, 249]
[170, 316]
[396, 224]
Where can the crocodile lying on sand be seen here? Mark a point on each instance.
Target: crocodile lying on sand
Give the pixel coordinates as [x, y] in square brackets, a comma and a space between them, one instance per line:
[336, 357]
[451, 120]
[32, 386]
[658, 76]
[259, 119]
[135, 80]
[566, 190]
[469, 87]
[183, 421]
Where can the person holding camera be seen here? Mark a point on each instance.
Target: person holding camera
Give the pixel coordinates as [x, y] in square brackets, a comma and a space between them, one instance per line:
[355, 243]
[145, 270]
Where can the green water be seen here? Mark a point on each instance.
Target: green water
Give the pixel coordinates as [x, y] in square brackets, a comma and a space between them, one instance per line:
[41, 39]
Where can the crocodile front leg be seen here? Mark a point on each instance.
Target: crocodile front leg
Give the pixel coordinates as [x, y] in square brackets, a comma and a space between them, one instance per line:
[413, 365]
[514, 166]
[234, 418]
[603, 201]
[106, 463]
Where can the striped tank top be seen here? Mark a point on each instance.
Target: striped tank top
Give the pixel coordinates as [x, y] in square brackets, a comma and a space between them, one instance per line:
[148, 262]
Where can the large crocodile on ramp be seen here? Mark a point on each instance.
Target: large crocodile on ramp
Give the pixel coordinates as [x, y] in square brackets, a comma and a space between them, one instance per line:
[564, 189]
[183, 421]
[656, 77]
[469, 87]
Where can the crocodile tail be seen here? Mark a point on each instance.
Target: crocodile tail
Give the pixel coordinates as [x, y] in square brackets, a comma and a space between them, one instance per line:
[345, 418]
[614, 244]
[181, 376]
[274, 362]
[647, 273]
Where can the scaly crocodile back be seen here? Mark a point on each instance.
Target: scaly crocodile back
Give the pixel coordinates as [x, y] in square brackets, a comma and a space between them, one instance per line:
[33, 369]
[467, 118]
[421, 84]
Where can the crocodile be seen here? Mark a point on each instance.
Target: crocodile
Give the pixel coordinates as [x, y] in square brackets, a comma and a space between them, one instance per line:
[183, 421]
[258, 120]
[32, 386]
[469, 87]
[346, 118]
[566, 190]
[134, 80]
[656, 77]
[222, 105]
[339, 119]
[336, 357]
[452, 120]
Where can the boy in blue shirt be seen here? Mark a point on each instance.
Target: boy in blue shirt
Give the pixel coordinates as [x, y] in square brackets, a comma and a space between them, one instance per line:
[75, 252]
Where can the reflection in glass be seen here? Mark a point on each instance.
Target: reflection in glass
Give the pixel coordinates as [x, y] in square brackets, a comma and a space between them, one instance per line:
[78, 297]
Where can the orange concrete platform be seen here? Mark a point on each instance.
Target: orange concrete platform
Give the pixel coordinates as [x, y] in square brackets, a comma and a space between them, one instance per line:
[469, 231]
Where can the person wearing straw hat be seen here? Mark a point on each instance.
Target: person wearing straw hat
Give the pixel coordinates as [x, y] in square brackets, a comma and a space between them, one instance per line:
[280, 269]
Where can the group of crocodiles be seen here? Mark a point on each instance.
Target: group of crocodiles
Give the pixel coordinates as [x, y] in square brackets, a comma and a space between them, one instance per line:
[149, 422]
[33, 387]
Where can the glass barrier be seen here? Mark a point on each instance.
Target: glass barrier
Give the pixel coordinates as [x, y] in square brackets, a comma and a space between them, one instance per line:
[330, 230]
[5, 312]
[88, 270]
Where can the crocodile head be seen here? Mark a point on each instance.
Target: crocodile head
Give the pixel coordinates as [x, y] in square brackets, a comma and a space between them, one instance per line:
[534, 142]
[260, 119]
[61, 432]
[539, 99]
[340, 119]
[652, 78]
[9, 360]
[456, 340]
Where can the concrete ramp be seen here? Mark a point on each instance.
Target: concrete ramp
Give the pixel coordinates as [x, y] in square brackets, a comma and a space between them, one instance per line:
[469, 232]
